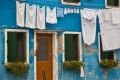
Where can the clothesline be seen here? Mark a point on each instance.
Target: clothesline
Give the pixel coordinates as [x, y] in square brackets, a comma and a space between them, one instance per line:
[60, 2]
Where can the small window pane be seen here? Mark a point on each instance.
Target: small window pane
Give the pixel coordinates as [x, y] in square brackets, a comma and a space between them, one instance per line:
[42, 48]
[112, 2]
[71, 47]
[105, 54]
[16, 46]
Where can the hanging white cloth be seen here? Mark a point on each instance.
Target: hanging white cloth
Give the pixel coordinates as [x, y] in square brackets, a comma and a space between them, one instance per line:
[65, 11]
[78, 11]
[110, 39]
[71, 10]
[75, 10]
[41, 17]
[20, 11]
[60, 12]
[115, 15]
[30, 16]
[109, 33]
[51, 16]
[107, 15]
[68, 10]
[82, 72]
[88, 19]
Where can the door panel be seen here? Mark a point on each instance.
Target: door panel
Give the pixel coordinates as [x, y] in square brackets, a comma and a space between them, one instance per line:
[44, 57]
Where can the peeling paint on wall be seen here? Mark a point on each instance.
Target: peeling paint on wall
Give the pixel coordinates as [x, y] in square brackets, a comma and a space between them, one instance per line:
[89, 49]
[60, 44]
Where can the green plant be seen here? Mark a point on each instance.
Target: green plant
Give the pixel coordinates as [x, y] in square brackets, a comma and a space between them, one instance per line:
[108, 64]
[17, 68]
[74, 65]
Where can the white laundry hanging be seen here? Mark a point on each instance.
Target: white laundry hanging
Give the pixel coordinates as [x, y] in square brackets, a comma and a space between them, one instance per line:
[115, 15]
[65, 11]
[40, 17]
[78, 11]
[74, 10]
[109, 33]
[30, 16]
[107, 15]
[20, 11]
[51, 16]
[88, 19]
[68, 10]
[60, 12]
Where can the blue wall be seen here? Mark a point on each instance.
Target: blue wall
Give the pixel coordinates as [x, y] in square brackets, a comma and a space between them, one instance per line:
[70, 22]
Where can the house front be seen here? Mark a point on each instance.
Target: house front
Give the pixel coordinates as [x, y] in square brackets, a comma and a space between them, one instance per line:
[46, 43]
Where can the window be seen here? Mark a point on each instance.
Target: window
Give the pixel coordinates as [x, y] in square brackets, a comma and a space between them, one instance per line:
[16, 46]
[112, 3]
[72, 46]
[71, 2]
[105, 54]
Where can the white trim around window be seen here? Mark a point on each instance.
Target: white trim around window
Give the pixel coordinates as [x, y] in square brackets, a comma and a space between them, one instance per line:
[100, 49]
[79, 46]
[27, 42]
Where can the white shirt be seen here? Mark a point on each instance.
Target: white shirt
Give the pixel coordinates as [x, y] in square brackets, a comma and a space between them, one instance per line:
[88, 19]
[51, 16]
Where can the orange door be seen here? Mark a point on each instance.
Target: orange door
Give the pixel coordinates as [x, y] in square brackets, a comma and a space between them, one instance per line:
[44, 56]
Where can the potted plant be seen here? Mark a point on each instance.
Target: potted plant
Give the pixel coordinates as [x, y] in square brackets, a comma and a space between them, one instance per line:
[74, 65]
[17, 68]
[108, 64]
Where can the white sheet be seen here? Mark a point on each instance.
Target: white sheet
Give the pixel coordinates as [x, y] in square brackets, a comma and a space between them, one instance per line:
[20, 11]
[40, 17]
[30, 16]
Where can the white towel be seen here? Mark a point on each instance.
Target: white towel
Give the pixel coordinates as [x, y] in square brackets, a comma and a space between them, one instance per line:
[30, 16]
[110, 39]
[71, 10]
[60, 12]
[20, 11]
[115, 15]
[82, 74]
[68, 10]
[41, 17]
[88, 19]
[74, 10]
[101, 16]
[51, 16]
[65, 11]
[107, 15]
[78, 11]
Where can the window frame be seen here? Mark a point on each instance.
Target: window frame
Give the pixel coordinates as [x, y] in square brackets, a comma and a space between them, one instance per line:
[111, 6]
[71, 3]
[100, 49]
[79, 44]
[27, 43]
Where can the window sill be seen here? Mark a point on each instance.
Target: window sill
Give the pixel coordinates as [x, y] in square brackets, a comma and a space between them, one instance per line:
[72, 4]
[112, 7]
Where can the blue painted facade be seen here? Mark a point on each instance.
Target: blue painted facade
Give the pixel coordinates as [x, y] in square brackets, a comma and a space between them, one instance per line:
[70, 22]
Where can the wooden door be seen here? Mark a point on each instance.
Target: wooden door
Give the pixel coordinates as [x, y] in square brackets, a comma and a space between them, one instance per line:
[44, 56]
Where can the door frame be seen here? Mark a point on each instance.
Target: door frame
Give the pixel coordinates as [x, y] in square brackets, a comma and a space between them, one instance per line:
[54, 51]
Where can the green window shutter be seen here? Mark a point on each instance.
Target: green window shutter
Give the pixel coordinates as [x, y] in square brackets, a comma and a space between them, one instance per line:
[12, 49]
[16, 46]
[105, 54]
[71, 47]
